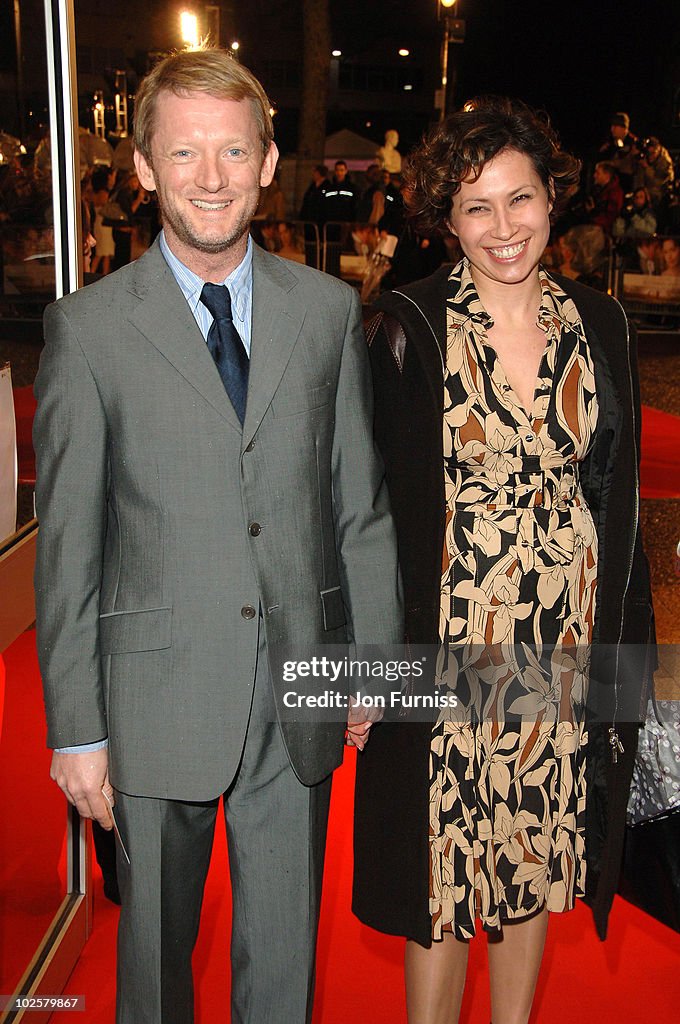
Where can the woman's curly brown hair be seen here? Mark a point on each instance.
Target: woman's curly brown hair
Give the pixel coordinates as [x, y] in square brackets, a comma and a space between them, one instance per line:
[458, 149]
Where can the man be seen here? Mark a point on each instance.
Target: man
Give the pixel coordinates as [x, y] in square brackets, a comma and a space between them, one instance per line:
[656, 171]
[208, 491]
[312, 212]
[620, 148]
[340, 199]
[312, 201]
[338, 209]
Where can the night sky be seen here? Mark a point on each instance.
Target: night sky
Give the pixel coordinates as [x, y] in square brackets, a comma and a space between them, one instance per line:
[579, 60]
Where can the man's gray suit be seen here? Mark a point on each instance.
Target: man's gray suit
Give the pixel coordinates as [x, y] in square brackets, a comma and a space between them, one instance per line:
[171, 539]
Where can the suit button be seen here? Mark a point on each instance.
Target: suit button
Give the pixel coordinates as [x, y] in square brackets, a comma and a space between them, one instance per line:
[249, 447]
[248, 612]
[254, 529]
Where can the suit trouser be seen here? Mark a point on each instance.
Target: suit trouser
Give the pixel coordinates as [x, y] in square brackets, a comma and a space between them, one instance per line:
[276, 834]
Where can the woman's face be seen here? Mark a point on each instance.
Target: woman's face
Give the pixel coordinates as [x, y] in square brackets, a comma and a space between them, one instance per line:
[671, 253]
[502, 219]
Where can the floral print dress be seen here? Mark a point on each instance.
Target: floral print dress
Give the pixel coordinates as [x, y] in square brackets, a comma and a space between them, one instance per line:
[507, 771]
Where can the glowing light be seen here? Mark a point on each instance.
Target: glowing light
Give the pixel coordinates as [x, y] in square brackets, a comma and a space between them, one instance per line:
[447, 3]
[336, 53]
[404, 52]
[236, 45]
[189, 29]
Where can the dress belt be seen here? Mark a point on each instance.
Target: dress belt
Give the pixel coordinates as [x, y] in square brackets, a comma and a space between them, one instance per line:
[531, 487]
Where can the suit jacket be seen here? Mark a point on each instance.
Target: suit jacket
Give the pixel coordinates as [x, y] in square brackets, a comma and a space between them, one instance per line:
[165, 527]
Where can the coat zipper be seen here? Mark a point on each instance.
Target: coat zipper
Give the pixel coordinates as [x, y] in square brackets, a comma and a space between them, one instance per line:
[615, 744]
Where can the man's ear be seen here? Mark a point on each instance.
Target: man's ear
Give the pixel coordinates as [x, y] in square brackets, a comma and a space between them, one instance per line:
[144, 171]
[269, 165]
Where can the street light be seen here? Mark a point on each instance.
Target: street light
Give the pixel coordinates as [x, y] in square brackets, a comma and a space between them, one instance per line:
[454, 32]
[188, 23]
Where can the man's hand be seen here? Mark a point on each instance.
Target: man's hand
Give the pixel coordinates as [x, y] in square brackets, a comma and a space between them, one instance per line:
[82, 777]
[359, 722]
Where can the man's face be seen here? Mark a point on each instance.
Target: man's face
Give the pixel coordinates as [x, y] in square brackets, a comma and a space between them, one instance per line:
[207, 168]
[340, 172]
[601, 176]
[639, 199]
[618, 131]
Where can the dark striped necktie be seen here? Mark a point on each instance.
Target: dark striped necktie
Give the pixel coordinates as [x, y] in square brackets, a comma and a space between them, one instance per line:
[226, 347]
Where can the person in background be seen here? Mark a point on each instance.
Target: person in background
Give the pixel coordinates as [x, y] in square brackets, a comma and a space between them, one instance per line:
[655, 171]
[339, 207]
[312, 211]
[670, 250]
[637, 219]
[102, 182]
[129, 193]
[340, 199]
[370, 207]
[620, 149]
[312, 201]
[272, 202]
[606, 202]
[499, 390]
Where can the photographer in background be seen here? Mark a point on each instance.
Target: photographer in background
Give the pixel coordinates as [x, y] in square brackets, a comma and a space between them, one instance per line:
[636, 221]
[619, 149]
[655, 172]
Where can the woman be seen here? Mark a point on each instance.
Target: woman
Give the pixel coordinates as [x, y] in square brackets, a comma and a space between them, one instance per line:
[671, 258]
[507, 412]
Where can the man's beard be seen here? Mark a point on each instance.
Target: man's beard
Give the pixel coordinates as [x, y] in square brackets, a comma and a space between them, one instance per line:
[186, 232]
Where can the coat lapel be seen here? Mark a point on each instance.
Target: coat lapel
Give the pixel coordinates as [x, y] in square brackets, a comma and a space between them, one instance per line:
[164, 318]
[277, 320]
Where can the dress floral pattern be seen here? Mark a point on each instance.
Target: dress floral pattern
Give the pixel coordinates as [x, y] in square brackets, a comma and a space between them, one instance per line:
[507, 771]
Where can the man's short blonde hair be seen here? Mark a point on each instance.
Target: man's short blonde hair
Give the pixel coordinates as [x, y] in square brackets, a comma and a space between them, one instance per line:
[213, 71]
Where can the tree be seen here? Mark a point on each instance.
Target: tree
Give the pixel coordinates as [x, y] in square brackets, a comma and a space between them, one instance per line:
[316, 66]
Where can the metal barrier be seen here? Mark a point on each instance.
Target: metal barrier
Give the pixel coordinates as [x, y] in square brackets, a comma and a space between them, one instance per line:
[347, 247]
[297, 240]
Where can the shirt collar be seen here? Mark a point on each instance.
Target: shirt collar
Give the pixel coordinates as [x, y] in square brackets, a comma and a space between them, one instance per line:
[556, 311]
[239, 281]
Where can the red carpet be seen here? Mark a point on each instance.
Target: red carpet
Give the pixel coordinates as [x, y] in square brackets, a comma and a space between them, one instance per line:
[32, 817]
[660, 468]
[630, 978]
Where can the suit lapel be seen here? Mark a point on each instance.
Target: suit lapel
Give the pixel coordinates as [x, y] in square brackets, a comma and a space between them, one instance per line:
[164, 318]
[277, 320]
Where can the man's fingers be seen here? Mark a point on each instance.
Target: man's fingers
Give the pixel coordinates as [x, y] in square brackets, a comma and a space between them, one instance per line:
[82, 777]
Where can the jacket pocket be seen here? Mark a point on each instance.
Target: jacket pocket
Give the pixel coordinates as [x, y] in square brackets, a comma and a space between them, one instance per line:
[302, 400]
[149, 629]
[334, 615]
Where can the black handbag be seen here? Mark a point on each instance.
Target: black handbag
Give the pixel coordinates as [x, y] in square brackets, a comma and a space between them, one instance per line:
[113, 214]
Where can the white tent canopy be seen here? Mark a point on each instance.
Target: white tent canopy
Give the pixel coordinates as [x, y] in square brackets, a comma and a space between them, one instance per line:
[356, 150]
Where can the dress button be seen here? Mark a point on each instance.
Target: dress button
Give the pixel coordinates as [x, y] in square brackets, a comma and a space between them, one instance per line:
[254, 529]
[248, 612]
[249, 447]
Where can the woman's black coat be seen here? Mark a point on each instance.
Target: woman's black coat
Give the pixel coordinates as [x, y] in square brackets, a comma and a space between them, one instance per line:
[407, 346]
